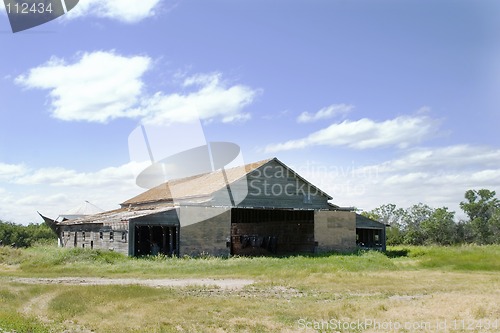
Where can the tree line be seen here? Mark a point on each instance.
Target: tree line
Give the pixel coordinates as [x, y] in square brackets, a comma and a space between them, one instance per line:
[18, 235]
[422, 225]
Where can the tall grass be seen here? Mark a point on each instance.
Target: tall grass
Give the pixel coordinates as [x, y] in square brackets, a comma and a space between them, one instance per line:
[51, 261]
[458, 258]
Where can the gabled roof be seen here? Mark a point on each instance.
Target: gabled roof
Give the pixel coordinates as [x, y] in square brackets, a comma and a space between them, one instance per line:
[192, 189]
[197, 186]
[202, 186]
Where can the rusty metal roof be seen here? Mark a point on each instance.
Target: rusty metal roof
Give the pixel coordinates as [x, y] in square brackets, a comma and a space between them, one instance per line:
[117, 215]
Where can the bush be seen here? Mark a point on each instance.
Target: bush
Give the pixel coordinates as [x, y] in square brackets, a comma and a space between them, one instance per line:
[17, 235]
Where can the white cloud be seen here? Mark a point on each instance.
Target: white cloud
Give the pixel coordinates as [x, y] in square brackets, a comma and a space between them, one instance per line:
[128, 11]
[61, 177]
[42, 200]
[99, 87]
[486, 176]
[211, 98]
[9, 171]
[325, 113]
[444, 158]
[102, 86]
[402, 132]
[55, 190]
[408, 178]
[44, 176]
[455, 168]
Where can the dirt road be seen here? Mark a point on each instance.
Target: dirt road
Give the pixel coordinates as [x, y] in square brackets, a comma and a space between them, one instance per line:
[91, 281]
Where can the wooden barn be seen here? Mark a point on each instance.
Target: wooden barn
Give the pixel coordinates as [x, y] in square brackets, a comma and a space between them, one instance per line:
[262, 208]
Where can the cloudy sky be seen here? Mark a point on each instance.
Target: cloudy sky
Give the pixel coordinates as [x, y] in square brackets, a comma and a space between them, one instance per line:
[374, 101]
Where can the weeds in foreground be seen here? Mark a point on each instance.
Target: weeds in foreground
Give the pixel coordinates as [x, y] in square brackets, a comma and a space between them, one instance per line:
[442, 283]
[50, 261]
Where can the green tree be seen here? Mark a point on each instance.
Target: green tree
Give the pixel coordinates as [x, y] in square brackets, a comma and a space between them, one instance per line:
[394, 235]
[464, 232]
[495, 226]
[480, 206]
[387, 214]
[24, 236]
[390, 215]
[412, 223]
[440, 227]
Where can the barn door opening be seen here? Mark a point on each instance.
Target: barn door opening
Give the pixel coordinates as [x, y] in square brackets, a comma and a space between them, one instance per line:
[369, 238]
[271, 231]
[156, 239]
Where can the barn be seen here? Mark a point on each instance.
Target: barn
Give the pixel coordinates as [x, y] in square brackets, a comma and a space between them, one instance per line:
[262, 208]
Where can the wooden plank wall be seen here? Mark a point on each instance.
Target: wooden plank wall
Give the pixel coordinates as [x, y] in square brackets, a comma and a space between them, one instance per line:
[274, 186]
[112, 237]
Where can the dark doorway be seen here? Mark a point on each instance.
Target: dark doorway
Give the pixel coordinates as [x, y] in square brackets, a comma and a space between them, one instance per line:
[156, 239]
[271, 231]
[369, 238]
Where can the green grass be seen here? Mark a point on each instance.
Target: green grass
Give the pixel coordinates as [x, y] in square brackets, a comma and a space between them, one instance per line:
[456, 258]
[19, 323]
[53, 261]
[48, 261]
[406, 283]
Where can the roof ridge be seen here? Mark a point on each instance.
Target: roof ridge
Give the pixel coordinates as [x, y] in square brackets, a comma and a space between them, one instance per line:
[179, 181]
[183, 179]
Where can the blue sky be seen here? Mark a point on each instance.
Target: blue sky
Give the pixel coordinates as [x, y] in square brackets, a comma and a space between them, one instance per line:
[374, 101]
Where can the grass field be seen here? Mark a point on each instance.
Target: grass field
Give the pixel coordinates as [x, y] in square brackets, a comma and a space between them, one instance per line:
[408, 289]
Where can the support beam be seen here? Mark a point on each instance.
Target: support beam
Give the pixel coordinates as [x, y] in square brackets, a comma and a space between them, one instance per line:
[164, 239]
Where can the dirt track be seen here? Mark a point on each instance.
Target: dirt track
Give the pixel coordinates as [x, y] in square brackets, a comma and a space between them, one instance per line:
[219, 283]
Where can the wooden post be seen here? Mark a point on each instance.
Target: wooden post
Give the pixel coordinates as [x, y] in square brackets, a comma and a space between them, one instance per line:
[137, 249]
[170, 241]
[164, 238]
[150, 239]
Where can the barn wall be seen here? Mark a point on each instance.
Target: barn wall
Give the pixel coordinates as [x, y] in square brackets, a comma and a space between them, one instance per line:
[335, 230]
[113, 236]
[274, 186]
[208, 236]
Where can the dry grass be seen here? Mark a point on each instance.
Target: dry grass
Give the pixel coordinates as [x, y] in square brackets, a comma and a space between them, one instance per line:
[407, 297]
[318, 297]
